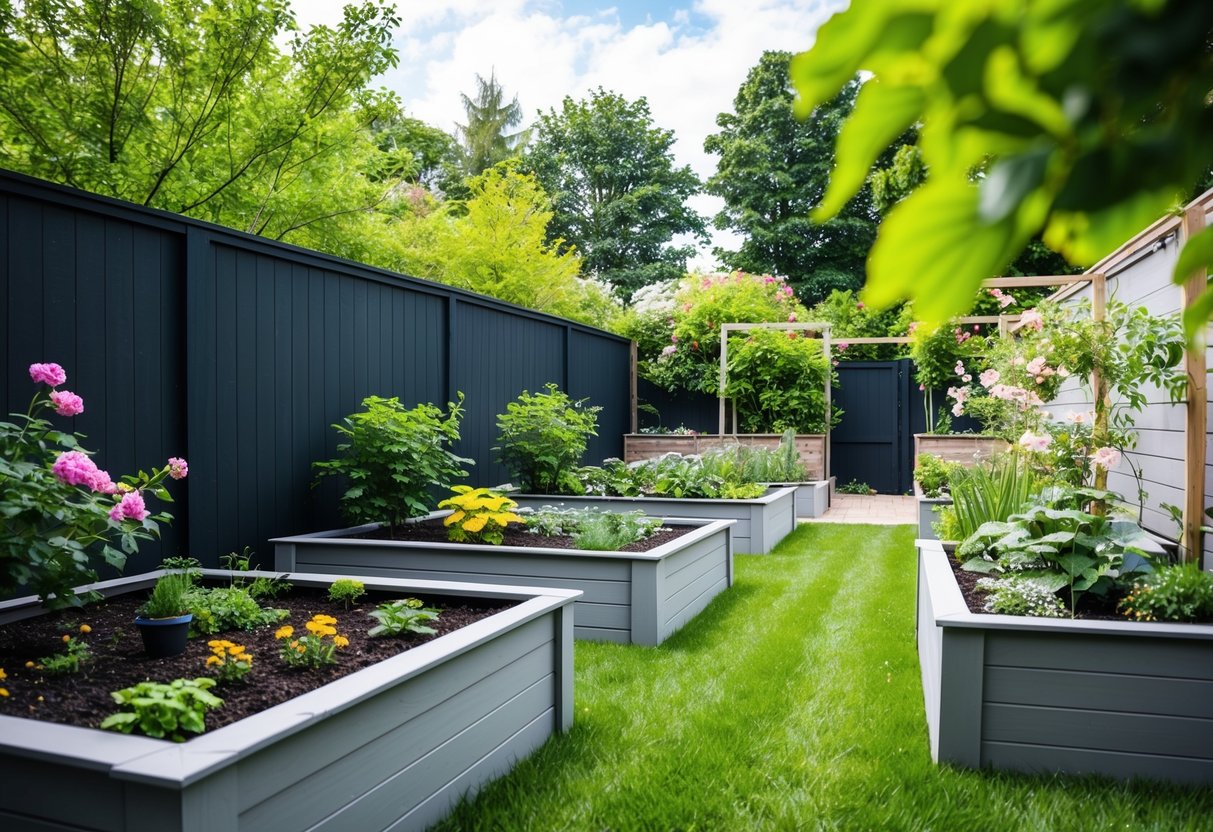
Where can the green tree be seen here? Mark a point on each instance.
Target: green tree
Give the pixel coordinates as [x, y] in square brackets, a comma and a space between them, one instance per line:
[413, 151]
[773, 170]
[616, 192]
[1089, 118]
[485, 139]
[191, 106]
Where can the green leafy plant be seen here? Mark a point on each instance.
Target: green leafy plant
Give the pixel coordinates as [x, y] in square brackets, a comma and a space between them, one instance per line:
[314, 650]
[1181, 592]
[59, 511]
[478, 515]
[1018, 595]
[1061, 546]
[607, 531]
[543, 438]
[404, 615]
[170, 597]
[259, 587]
[991, 491]
[777, 380]
[933, 474]
[222, 608]
[856, 487]
[68, 661]
[164, 711]
[231, 662]
[346, 591]
[392, 457]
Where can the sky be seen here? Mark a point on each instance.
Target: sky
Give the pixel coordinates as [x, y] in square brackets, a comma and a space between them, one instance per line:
[687, 57]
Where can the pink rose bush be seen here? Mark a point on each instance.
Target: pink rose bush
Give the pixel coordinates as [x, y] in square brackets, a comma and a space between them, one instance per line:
[61, 510]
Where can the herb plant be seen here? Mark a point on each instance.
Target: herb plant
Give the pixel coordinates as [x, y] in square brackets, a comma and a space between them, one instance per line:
[74, 653]
[392, 457]
[231, 662]
[169, 598]
[164, 711]
[314, 650]
[346, 591]
[221, 608]
[610, 531]
[543, 438]
[478, 515]
[1182, 592]
[932, 474]
[404, 615]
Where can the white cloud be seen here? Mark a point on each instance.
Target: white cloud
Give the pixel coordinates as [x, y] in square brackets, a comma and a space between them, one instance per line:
[688, 62]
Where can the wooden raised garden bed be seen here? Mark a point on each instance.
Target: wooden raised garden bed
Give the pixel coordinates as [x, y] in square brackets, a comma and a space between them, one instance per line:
[638, 446]
[392, 745]
[964, 448]
[759, 523]
[630, 597]
[1115, 698]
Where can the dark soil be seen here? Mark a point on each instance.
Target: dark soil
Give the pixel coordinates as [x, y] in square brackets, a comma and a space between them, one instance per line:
[118, 660]
[432, 531]
[1089, 607]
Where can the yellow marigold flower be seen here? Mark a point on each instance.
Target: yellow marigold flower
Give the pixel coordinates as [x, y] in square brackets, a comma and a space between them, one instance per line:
[67, 639]
[299, 648]
[245, 657]
[29, 664]
[454, 517]
[234, 649]
[324, 619]
[84, 628]
[340, 641]
[284, 632]
[475, 524]
[3, 692]
[214, 643]
[213, 660]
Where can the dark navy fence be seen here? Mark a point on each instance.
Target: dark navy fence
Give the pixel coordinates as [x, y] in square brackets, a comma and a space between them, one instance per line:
[239, 353]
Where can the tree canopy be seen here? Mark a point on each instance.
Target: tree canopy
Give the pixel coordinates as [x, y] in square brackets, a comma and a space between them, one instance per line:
[616, 194]
[485, 138]
[773, 169]
[1082, 120]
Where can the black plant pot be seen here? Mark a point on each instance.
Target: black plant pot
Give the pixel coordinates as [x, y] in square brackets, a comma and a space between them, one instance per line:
[163, 637]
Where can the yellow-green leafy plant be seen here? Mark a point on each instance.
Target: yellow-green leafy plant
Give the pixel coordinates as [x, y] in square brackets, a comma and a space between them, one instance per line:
[478, 515]
[346, 591]
[229, 662]
[316, 649]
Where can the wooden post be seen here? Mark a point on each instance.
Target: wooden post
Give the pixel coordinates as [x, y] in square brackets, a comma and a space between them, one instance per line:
[1099, 392]
[632, 383]
[724, 368]
[1195, 425]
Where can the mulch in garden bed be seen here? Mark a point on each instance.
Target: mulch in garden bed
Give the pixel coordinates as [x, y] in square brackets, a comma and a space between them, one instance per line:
[118, 660]
[1089, 607]
[432, 531]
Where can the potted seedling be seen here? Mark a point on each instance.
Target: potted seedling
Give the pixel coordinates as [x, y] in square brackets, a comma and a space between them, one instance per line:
[164, 619]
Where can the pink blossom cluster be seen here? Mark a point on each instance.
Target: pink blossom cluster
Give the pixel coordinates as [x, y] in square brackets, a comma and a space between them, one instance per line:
[960, 370]
[962, 335]
[1035, 442]
[1106, 458]
[1032, 320]
[76, 468]
[1077, 417]
[66, 402]
[1004, 299]
[1024, 398]
[130, 507]
[178, 468]
[668, 351]
[989, 377]
[961, 395]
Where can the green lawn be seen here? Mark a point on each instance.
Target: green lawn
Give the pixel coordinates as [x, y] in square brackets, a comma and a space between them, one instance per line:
[792, 702]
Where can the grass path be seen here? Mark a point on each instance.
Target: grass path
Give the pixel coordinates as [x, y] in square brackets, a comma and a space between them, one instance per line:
[792, 702]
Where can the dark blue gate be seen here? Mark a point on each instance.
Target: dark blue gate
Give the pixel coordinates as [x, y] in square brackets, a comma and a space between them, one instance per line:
[874, 441]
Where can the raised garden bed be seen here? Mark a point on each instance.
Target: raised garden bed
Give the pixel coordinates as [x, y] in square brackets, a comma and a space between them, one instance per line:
[812, 498]
[760, 523]
[963, 448]
[1115, 698]
[629, 597]
[638, 446]
[394, 744]
[927, 514]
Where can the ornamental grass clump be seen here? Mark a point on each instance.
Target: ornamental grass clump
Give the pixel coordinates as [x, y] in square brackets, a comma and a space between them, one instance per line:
[543, 438]
[393, 457]
[478, 515]
[60, 511]
[316, 649]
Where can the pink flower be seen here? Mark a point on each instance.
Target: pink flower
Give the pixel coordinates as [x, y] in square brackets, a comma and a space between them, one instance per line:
[958, 409]
[1036, 367]
[959, 369]
[988, 377]
[958, 393]
[966, 378]
[922, 387]
[130, 507]
[50, 374]
[74, 468]
[768, 279]
[668, 351]
[1063, 372]
[102, 484]
[842, 346]
[859, 305]
[674, 339]
[1076, 417]
[1106, 458]
[67, 403]
[792, 318]
[178, 468]
[1004, 300]
[1035, 443]
[1032, 320]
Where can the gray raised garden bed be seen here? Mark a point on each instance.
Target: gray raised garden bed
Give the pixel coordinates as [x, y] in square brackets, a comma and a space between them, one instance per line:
[927, 515]
[1115, 698]
[630, 597]
[760, 523]
[392, 745]
[812, 498]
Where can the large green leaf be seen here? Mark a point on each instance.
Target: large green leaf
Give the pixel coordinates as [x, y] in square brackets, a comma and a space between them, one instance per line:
[841, 44]
[1085, 237]
[934, 249]
[882, 113]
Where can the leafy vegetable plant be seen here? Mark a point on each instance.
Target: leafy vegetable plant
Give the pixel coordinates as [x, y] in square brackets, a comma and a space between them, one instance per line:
[543, 438]
[164, 711]
[222, 608]
[392, 457]
[404, 615]
[69, 660]
[609, 531]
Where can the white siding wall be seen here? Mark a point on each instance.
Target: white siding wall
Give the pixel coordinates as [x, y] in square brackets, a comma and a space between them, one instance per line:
[1145, 280]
